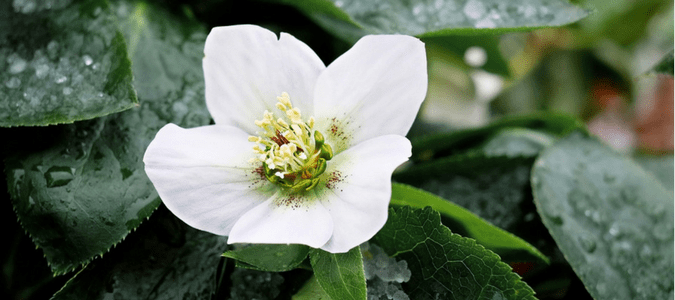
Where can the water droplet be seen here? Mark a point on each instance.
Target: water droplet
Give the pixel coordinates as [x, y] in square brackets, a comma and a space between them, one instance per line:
[16, 64]
[601, 288]
[614, 230]
[24, 6]
[59, 176]
[41, 70]
[61, 79]
[53, 49]
[417, 9]
[587, 243]
[13, 83]
[67, 91]
[87, 60]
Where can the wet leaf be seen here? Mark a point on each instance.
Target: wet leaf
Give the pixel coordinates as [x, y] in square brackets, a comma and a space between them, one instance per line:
[341, 275]
[165, 259]
[84, 187]
[611, 219]
[445, 265]
[270, 257]
[61, 62]
[468, 224]
[352, 19]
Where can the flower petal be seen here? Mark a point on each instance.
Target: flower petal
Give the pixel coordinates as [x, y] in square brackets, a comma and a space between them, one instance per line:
[203, 176]
[375, 88]
[246, 68]
[276, 223]
[359, 189]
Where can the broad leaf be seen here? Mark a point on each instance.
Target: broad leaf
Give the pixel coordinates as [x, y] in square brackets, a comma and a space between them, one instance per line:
[311, 290]
[660, 166]
[61, 62]
[611, 219]
[467, 224]
[84, 187]
[352, 19]
[445, 265]
[269, 257]
[340, 275]
[165, 259]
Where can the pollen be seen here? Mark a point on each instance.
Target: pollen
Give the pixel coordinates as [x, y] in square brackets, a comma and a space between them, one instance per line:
[293, 154]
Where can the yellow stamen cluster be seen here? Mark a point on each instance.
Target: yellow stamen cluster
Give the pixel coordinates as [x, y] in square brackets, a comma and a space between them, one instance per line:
[293, 154]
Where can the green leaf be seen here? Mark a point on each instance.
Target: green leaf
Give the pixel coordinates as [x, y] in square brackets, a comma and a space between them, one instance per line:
[461, 220]
[352, 19]
[83, 187]
[61, 62]
[311, 290]
[270, 257]
[341, 275]
[445, 265]
[611, 219]
[164, 259]
[665, 66]
[446, 144]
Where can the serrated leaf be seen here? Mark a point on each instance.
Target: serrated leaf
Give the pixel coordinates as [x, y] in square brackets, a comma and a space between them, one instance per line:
[461, 220]
[84, 187]
[445, 265]
[270, 257]
[612, 220]
[165, 259]
[341, 275]
[547, 125]
[61, 62]
[352, 19]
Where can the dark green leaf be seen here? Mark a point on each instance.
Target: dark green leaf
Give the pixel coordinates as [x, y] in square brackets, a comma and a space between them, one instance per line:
[665, 66]
[341, 275]
[165, 259]
[270, 257]
[446, 144]
[472, 226]
[84, 188]
[445, 265]
[61, 62]
[611, 219]
[311, 290]
[352, 19]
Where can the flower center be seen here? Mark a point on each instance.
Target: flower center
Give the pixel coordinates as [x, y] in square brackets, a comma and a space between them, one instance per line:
[292, 153]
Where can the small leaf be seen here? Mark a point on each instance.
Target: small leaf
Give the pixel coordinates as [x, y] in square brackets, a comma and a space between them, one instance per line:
[165, 259]
[341, 275]
[611, 219]
[471, 226]
[270, 257]
[547, 125]
[352, 19]
[80, 188]
[66, 61]
[445, 265]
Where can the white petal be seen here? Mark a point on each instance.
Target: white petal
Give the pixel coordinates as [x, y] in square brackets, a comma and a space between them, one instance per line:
[246, 68]
[375, 88]
[358, 195]
[274, 222]
[203, 175]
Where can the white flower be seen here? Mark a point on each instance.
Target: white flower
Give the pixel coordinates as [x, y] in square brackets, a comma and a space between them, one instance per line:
[300, 153]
